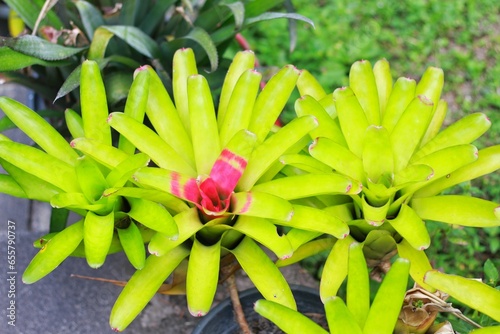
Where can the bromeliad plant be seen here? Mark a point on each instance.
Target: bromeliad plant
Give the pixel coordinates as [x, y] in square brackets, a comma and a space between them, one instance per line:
[213, 161]
[387, 137]
[195, 201]
[147, 32]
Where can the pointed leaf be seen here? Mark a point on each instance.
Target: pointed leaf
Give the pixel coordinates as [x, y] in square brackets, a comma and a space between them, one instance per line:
[91, 17]
[37, 47]
[238, 10]
[273, 15]
[13, 60]
[137, 39]
[155, 16]
[201, 37]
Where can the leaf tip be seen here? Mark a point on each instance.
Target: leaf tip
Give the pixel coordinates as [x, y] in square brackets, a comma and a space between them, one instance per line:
[313, 144]
[197, 313]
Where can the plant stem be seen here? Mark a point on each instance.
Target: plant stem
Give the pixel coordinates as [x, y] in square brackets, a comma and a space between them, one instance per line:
[235, 299]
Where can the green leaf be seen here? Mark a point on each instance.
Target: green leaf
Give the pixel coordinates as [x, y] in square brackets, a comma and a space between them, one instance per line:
[117, 86]
[91, 17]
[201, 37]
[257, 7]
[6, 123]
[491, 272]
[13, 60]
[40, 48]
[137, 39]
[73, 80]
[273, 15]
[36, 84]
[238, 10]
[155, 16]
[129, 11]
[99, 43]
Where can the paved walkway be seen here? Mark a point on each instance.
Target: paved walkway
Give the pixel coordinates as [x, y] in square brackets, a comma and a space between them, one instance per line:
[60, 304]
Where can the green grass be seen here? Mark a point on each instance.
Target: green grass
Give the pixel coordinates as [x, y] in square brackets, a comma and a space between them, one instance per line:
[460, 36]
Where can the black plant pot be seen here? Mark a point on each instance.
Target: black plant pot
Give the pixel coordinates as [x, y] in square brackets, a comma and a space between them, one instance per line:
[221, 319]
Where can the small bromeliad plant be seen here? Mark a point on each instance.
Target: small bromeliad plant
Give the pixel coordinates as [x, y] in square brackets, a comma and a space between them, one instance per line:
[387, 137]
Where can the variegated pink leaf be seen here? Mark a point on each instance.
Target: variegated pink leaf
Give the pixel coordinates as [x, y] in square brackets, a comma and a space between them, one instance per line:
[227, 171]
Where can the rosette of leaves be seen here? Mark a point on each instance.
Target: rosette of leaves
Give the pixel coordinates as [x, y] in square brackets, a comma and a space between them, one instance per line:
[213, 161]
[389, 137]
[120, 36]
[196, 196]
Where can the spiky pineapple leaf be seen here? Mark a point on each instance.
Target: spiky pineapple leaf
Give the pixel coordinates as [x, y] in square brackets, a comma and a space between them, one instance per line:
[13, 60]
[37, 47]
